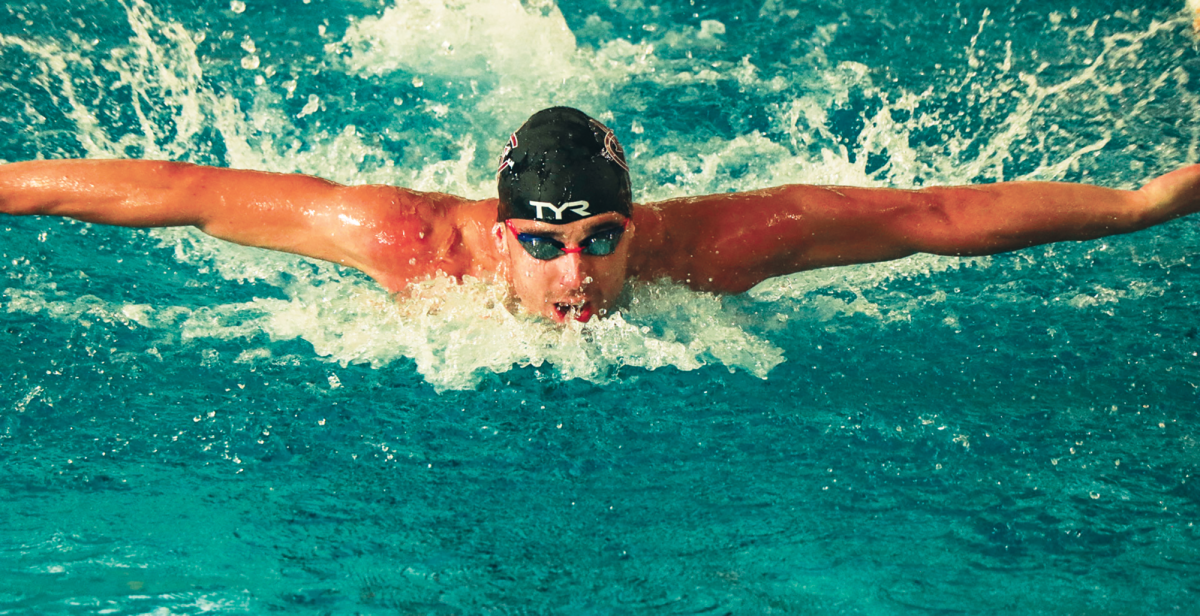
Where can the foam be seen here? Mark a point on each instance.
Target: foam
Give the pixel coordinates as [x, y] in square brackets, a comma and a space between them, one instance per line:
[518, 58]
[463, 39]
[455, 333]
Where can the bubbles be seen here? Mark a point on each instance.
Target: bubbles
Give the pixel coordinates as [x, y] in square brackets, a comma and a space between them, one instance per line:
[703, 117]
[311, 107]
[711, 28]
[462, 39]
[456, 333]
[237, 6]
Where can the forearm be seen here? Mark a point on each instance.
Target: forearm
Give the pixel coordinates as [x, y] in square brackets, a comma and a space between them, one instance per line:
[116, 192]
[996, 218]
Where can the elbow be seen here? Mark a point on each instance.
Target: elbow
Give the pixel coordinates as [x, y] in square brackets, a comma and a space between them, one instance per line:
[941, 223]
[179, 189]
[926, 225]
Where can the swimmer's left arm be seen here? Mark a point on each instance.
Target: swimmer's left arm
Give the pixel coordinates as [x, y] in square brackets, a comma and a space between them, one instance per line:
[738, 240]
[995, 218]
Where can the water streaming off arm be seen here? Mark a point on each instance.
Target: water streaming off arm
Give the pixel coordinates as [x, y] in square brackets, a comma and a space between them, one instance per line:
[419, 94]
[190, 426]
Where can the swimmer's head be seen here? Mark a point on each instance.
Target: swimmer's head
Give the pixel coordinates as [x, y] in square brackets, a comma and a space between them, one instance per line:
[564, 227]
[562, 166]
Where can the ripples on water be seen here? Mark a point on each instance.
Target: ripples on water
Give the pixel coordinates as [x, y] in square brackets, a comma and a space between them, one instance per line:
[191, 426]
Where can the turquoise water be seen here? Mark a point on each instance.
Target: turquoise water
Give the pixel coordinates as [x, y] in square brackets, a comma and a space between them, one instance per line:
[192, 427]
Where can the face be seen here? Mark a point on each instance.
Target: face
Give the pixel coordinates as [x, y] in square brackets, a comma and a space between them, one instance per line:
[575, 285]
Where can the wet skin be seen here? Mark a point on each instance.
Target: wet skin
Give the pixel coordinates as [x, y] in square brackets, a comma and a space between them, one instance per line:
[723, 243]
[573, 286]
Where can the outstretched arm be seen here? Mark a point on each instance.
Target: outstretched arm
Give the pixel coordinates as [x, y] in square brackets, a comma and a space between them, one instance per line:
[292, 213]
[737, 240]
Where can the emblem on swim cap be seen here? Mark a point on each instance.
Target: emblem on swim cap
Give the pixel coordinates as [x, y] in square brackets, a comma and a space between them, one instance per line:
[505, 161]
[612, 148]
[562, 166]
[579, 207]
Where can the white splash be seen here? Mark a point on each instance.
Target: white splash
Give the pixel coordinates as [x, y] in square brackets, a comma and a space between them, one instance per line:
[454, 332]
[520, 57]
[471, 38]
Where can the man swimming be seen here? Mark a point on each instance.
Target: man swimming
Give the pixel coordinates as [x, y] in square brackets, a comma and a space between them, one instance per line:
[564, 233]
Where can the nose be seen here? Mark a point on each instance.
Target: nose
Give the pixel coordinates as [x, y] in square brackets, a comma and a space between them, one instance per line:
[573, 270]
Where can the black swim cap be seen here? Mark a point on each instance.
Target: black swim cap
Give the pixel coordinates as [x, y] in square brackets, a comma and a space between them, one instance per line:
[562, 166]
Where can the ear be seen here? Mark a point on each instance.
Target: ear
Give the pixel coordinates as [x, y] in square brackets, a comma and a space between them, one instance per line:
[498, 238]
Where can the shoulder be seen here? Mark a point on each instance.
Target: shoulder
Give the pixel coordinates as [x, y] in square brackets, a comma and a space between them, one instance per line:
[405, 235]
[728, 242]
[689, 233]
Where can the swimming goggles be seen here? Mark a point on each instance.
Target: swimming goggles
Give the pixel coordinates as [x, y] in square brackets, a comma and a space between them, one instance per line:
[544, 248]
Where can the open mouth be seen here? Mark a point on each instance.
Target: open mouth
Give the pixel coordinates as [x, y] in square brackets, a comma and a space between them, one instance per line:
[580, 311]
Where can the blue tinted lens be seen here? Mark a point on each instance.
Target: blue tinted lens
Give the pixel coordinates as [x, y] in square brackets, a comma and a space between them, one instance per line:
[544, 248]
[603, 243]
[540, 248]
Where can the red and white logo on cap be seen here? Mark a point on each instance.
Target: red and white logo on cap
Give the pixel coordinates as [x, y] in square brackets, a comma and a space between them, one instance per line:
[506, 161]
[612, 148]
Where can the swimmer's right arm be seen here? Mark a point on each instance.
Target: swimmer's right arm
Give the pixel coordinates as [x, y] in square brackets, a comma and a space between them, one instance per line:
[292, 213]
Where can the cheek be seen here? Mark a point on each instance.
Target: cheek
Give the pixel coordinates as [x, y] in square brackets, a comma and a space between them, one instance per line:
[530, 283]
[617, 269]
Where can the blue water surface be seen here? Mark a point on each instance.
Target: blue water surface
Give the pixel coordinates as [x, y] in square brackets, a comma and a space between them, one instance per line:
[191, 427]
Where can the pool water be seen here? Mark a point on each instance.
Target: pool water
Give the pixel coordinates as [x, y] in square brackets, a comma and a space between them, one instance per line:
[188, 426]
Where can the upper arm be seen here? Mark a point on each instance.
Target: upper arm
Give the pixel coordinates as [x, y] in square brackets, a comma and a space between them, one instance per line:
[730, 242]
[390, 233]
[292, 213]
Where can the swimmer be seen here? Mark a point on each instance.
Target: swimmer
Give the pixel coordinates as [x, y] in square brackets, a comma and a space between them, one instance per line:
[564, 233]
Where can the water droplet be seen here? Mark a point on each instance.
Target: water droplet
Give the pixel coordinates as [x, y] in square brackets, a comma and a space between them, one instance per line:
[248, 45]
[313, 104]
[418, 82]
[250, 62]
[237, 6]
